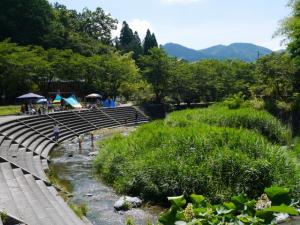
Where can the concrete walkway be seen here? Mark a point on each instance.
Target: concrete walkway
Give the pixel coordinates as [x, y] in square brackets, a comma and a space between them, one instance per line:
[4, 119]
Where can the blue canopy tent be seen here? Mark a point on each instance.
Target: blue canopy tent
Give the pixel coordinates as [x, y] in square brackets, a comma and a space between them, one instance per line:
[57, 99]
[109, 103]
[72, 101]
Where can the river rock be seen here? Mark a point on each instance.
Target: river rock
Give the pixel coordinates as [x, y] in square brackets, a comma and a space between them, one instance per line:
[93, 154]
[126, 203]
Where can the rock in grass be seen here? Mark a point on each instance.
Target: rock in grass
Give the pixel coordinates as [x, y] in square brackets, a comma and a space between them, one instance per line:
[126, 203]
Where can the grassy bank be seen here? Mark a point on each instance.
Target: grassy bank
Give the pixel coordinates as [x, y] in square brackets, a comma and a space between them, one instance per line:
[246, 117]
[217, 152]
[9, 110]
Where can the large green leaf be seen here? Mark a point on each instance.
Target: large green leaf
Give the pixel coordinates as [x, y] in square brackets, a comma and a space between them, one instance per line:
[278, 195]
[169, 217]
[282, 209]
[229, 205]
[240, 200]
[197, 200]
[178, 201]
[276, 191]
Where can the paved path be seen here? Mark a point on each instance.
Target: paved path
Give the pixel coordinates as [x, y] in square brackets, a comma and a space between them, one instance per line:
[4, 119]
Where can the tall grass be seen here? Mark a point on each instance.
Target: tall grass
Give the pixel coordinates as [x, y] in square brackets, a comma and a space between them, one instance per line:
[185, 154]
[249, 118]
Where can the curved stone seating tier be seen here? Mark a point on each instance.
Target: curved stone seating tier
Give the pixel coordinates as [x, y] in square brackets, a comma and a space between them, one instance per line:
[26, 196]
[125, 115]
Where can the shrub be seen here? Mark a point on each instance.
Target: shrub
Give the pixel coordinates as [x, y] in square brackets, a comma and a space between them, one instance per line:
[183, 156]
[235, 101]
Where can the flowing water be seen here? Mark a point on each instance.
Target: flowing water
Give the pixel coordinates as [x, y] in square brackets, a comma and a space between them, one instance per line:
[74, 168]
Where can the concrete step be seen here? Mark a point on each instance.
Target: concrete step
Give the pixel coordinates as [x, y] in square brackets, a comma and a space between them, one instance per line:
[45, 204]
[30, 139]
[37, 164]
[61, 211]
[25, 209]
[39, 149]
[48, 148]
[35, 202]
[63, 204]
[13, 129]
[1, 139]
[7, 203]
[29, 133]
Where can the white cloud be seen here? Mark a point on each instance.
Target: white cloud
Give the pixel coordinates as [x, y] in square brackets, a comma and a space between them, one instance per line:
[141, 27]
[138, 25]
[182, 1]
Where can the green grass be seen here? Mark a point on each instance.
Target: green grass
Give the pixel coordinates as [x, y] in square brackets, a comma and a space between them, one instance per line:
[9, 110]
[246, 117]
[206, 151]
[80, 210]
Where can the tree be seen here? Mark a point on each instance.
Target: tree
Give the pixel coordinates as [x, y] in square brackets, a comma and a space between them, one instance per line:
[129, 41]
[183, 84]
[275, 77]
[126, 35]
[25, 22]
[149, 42]
[97, 24]
[156, 68]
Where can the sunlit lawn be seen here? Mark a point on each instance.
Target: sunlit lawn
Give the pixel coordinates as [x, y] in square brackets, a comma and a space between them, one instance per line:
[9, 110]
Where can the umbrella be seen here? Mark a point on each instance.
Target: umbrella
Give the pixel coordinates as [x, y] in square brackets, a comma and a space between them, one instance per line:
[30, 96]
[41, 101]
[93, 96]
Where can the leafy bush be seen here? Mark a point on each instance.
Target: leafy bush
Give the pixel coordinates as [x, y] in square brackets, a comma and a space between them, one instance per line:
[183, 156]
[235, 101]
[249, 118]
[240, 210]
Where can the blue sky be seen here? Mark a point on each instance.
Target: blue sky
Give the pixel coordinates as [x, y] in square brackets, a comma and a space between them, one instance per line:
[197, 23]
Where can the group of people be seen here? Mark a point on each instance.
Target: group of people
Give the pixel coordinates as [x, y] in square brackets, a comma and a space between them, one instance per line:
[33, 109]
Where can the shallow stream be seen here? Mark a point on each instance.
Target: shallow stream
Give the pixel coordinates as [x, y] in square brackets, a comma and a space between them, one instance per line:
[74, 167]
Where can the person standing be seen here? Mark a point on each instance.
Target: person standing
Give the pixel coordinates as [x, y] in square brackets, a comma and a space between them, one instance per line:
[136, 116]
[92, 139]
[56, 132]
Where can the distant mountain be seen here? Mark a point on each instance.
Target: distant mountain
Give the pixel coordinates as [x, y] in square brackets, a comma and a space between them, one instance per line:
[243, 51]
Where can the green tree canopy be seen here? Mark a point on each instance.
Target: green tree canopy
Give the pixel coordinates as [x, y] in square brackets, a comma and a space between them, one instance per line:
[149, 42]
[157, 70]
[25, 22]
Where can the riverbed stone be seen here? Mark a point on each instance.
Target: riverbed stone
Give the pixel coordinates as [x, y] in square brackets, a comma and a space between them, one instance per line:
[127, 202]
[93, 154]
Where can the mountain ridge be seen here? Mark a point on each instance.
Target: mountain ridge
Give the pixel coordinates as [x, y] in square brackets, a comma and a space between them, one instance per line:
[243, 51]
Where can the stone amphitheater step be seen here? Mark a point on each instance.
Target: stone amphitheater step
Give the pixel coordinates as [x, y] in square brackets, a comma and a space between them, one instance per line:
[11, 130]
[65, 206]
[34, 200]
[25, 136]
[46, 151]
[7, 203]
[39, 149]
[61, 210]
[1, 223]
[26, 162]
[23, 207]
[1, 139]
[45, 203]
[124, 113]
[8, 125]
[24, 148]
[99, 119]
